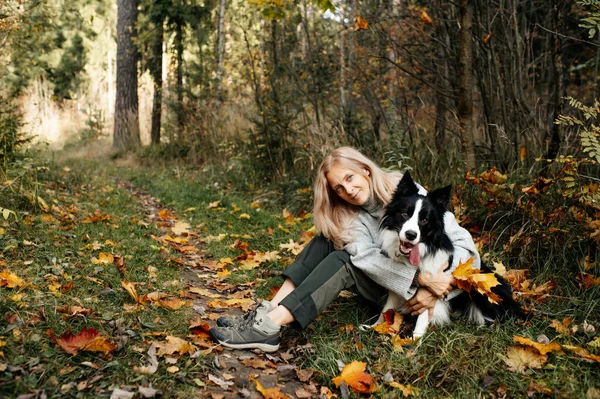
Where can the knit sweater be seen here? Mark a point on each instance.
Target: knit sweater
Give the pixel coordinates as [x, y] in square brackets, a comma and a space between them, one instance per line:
[366, 254]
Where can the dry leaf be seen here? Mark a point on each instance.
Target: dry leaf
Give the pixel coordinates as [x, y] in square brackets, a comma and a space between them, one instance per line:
[425, 18]
[519, 359]
[360, 23]
[104, 259]
[353, 374]
[130, 288]
[10, 280]
[407, 390]
[181, 228]
[88, 339]
[270, 393]
[541, 348]
[468, 278]
[174, 345]
[485, 40]
[292, 247]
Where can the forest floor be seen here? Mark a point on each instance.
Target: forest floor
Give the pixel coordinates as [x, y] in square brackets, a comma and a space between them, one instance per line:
[110, 283]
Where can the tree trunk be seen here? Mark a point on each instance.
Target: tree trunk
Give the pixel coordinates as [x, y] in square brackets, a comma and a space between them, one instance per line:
[179, 75]
[127, 126]
[156, 73]
[465, 83]
[220, 51]
[558, 11]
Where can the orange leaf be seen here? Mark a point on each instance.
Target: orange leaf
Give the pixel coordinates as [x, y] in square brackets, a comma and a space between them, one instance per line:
[269, 393]
[541, 348]
[360, 23]
[88, 339]
[562, 328]
[425, 18]
[174, 345]
[485, 40]
[172, 303]
[353, 374]
[468, 278]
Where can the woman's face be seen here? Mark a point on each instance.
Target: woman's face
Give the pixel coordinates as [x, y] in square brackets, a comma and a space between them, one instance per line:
[349, 185]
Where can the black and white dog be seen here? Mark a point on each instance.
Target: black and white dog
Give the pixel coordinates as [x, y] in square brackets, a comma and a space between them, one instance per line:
[412, 231]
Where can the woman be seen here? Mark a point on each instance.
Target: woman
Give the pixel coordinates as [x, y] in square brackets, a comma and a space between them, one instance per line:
[350, 193]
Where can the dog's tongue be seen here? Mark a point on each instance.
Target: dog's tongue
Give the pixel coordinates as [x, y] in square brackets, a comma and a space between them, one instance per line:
[415, 257]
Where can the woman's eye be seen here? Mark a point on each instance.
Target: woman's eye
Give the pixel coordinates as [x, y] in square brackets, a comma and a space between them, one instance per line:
[349, 178]
[338, 190]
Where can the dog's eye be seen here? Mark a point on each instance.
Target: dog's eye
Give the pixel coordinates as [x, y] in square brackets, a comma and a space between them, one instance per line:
[404, 215]
[424, 222]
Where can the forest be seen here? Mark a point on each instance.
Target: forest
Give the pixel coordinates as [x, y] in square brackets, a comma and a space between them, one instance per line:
[157, 168]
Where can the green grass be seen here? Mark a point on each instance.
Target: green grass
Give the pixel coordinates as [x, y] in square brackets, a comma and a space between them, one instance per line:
[458, 361]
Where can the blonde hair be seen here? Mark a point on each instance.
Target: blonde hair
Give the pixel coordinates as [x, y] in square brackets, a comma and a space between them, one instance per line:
[333, 215]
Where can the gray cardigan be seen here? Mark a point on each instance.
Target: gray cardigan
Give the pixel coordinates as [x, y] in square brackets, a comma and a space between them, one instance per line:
[365, 253]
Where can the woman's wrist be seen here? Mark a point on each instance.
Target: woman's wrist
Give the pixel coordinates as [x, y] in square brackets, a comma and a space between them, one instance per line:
[423, 279]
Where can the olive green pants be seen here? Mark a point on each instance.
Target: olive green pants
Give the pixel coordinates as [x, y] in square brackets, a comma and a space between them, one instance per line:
[320, 273]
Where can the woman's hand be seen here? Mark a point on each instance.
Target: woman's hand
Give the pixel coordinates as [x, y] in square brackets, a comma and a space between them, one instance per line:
[440, 284]
[422, 301]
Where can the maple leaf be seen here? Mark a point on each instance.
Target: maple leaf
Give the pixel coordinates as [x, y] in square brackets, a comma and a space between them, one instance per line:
[468, 278]
[425, 18]
[392, 321]
[519, 359]
[562, 327]
[292, 247]
[10, 280]
[398, 343]
[360, 23]
[270, 393]
[353, 374]
[174, 345]
[541, 348]
[88, 339]
[586, 280]
[516, 277]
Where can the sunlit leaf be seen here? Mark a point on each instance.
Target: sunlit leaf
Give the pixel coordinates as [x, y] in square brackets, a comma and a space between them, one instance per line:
[353, 374]
[174, 345]
[468, 278]
[407, 390]
[541, 348]
[10, 280]
[88, 339]
[520, 359]
[270, 393]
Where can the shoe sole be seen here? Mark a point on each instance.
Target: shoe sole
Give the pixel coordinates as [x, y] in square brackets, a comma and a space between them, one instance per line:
[248, 345]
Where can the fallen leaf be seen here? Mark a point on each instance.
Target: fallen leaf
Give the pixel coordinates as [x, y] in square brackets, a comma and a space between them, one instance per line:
[10, 280]
[152, 365]
[181, 228]
[425, 18]
[468, 278]
[103, 259]
[407, 390]
[270, 393]
[88, 339]
[541, 348]
[130, 288]
[292, 247]
[213, 204]
[174, 345]
[562, 327]
[353, 374]
[519, 359]
[360, 23]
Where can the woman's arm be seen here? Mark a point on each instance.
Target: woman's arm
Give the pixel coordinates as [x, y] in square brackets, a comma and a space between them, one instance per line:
[365, 254]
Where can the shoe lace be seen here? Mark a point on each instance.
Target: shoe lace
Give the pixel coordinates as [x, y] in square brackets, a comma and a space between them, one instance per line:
[248, 319]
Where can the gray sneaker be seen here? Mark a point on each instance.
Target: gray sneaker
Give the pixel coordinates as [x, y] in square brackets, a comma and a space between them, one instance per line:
[263, 307]
[256, 332]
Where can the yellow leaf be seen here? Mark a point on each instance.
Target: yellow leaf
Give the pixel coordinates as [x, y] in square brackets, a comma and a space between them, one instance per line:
[172, 369]
[292, 247]
[229, 261]
[519, 359]
[425, 18]
[353, 374]
[400, 343]
[244, 216]
[223, 274]
[204, 292]
[10, 280]
[181, 228]
[235, 208]
[407, 390]
[541, 348]
[213, 204]
[270, 393]
[103, 258]
[130, 288]
[174, 345]
[468, 278]
[283, 229]
[42, 204]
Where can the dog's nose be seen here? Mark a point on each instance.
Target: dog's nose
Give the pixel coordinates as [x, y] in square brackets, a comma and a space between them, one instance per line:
[410, 235]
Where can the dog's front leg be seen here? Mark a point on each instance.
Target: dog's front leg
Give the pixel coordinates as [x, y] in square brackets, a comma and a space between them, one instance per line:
[421, 326]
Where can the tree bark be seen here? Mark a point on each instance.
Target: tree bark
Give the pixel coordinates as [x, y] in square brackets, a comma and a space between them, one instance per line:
[156, 73]
[220, 50]
[465, 83]
[179, 85]
[127, 126]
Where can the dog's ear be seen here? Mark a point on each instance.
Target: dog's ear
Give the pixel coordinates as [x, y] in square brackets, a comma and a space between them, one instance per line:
[441, 197]
[406, 187]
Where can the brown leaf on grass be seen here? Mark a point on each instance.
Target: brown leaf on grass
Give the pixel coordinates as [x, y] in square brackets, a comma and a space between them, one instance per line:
[172, 303]
[200, 328]
[74, 310]
[164, 214]
[10, 280]
[519, 359]
[181, 228]
[174, 345]
[583, 353]
[270, 393]
[399, 343]
[541, 348]
[257, 363]
[292, 246]
[304, 375]
[468, 278]
[534, 388]
[587, 281]
[88, 339]
[119, 261]
[537, 292]
[204, 292]
[97, 216]
[353, 374]
[562, 327]
[516, 277]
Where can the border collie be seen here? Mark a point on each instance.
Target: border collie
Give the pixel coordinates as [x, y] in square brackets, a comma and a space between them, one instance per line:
[412, 232]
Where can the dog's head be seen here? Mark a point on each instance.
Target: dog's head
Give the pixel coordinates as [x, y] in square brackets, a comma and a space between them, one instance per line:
[413, 222]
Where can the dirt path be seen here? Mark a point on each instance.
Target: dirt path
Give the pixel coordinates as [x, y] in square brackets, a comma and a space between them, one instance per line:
[233, 372]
